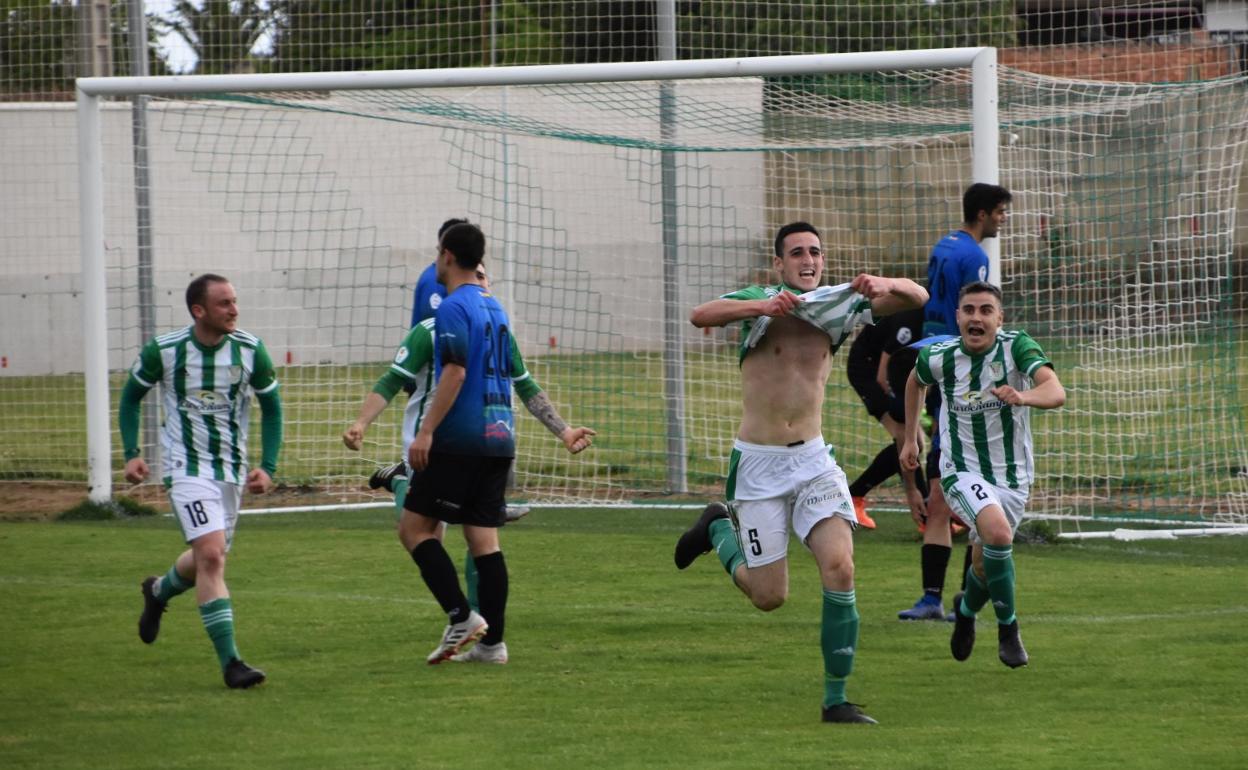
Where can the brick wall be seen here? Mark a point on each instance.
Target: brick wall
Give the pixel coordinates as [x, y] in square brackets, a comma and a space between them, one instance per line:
[1129, 61]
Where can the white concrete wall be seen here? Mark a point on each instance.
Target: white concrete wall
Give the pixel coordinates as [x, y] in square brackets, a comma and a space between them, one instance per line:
[323, 222]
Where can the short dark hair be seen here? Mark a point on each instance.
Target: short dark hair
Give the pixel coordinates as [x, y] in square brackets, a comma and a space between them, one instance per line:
[197, 291]
[789, 229]
[983, 197]
[975, 287]
[448, 224]
[467, 243]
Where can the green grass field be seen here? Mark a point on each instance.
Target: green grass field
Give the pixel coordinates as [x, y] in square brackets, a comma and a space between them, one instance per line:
[618, 659]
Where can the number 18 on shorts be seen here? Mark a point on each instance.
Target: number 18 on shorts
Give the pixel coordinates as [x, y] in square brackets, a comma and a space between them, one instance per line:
[203, 506]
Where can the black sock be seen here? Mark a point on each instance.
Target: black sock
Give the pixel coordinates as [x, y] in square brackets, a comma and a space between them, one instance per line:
[439, 573]
[934, 559]
[883, 467]
[492, 594]
[966, 565]
[920, 482]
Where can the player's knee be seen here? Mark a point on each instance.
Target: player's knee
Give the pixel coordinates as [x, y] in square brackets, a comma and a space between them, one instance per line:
[999, 539]
[838, 572]
[769, 600]
[210, 561]
[996, 534]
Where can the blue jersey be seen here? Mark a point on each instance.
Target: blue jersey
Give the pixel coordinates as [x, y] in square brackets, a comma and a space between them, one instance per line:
[956, 261]
[429, 294]
[472, 330]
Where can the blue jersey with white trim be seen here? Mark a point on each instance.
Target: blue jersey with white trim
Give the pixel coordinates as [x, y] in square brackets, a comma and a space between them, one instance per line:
[428, 294]
[956, 260]
[472, 330]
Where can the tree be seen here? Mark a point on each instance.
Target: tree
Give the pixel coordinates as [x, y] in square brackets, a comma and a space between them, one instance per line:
[222, 33]
[40, 48]
[606, 31]
[625, 31]
[405, 34]
[716, 28]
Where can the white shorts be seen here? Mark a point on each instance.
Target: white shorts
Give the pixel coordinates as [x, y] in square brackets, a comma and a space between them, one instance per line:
[203, 506]
[771, 488]
[968, 494]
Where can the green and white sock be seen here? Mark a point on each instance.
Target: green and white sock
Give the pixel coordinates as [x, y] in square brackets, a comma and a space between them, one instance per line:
[999, 569]
[218, 617]
[838, 637]
[399, 485]
[171, 585]
[976, 594]
[727, 546]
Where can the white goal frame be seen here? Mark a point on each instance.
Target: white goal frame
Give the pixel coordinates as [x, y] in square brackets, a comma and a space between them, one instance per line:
[985, 140]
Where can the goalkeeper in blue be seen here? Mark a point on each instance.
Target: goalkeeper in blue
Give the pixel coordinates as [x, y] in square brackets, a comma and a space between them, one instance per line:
[782, 475]
[989, 379]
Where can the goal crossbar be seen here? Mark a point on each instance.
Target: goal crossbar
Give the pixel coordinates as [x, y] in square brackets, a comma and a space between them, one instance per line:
[688, 69]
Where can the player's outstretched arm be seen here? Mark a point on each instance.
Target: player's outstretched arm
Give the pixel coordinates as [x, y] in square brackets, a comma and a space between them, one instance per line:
[536, 401]
[721, 312]
[909, 454]
[374, 404]
[1048, 392]
[889, 295]
[574, 439]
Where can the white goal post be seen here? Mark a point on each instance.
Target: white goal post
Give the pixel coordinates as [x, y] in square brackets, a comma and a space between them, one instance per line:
[982, 63]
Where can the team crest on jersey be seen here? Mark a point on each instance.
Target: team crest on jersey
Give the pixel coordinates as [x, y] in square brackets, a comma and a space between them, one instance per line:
[206, 402]
[996, 370]
[435, 300]
[401, 356]
[236, 374]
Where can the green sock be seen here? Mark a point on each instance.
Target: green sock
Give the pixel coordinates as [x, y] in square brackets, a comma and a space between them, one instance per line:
[400, 494]
[171, 585]
[727, 546]
[471, 579]
[838, 636]
[999, 569]
[218, 617]
[976, 594]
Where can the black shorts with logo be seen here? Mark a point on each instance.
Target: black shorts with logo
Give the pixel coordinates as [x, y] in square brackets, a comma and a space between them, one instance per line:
[461, 489]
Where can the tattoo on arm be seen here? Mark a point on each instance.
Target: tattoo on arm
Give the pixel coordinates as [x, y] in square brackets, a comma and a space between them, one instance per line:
[540, 407]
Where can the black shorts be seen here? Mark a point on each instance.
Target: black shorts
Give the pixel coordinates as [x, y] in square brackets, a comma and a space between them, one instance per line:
[874, 398]
[461, 489]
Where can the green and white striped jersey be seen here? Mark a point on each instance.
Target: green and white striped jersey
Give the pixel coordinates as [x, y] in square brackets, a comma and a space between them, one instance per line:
[835, 309]
[979, 433]
[206, 400]
[413, 362]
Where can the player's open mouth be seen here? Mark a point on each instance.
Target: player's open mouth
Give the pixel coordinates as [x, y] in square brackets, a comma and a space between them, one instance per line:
[807, 273]
[975, 331]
